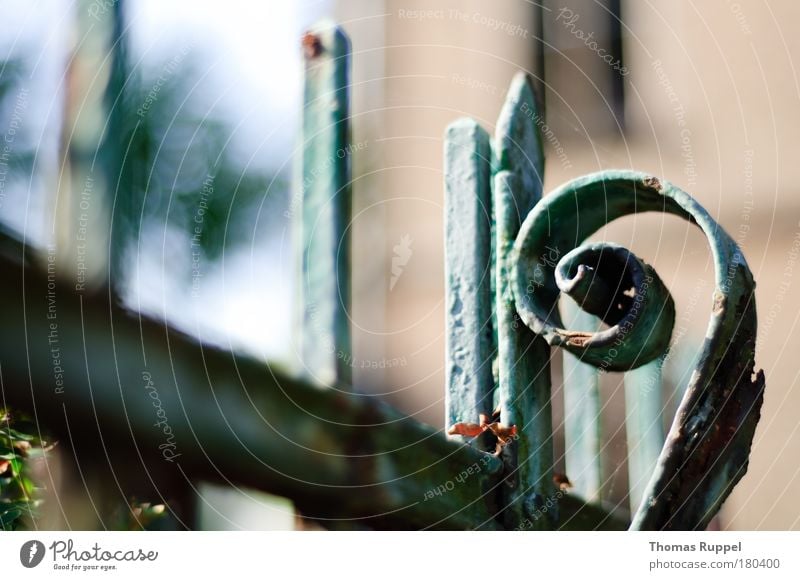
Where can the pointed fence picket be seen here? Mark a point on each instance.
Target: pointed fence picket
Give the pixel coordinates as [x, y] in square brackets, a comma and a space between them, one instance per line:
[538, 254]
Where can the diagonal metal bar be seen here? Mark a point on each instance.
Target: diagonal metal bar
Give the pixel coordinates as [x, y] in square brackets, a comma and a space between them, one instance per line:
[150, 408]
[146, 409]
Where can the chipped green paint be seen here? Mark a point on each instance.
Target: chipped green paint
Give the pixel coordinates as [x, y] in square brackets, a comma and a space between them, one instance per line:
[523, 358]
[606, 279]
[470, 347]
[324, 200]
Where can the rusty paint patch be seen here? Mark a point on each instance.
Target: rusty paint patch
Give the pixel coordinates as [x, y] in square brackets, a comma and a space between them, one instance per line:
[578, 339]
[653, 183]
[561, 481]
[719, 303]
[312, 45]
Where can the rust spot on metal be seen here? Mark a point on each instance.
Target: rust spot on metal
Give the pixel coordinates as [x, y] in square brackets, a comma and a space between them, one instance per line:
[719, 303]
[312, 46]
[561, 481]
[578, 339]
[653, 183]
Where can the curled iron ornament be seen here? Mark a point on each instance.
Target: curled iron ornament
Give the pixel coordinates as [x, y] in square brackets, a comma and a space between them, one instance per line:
[707, 448]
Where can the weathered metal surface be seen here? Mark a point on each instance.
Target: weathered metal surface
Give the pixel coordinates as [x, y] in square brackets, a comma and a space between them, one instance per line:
[643, 426]
[708, 445]
[470, 346]
[523, 358]
[324, 198]
[583, 455]
[127, 203]
[606, 279]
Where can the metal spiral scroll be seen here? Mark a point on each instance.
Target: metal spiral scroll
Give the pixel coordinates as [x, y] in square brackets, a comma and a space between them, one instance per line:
[708, 445]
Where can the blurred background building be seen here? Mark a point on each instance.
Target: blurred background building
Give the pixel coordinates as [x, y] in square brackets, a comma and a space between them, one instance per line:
[704, 94]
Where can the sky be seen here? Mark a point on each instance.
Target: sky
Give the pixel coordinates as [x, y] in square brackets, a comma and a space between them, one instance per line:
[249, 60]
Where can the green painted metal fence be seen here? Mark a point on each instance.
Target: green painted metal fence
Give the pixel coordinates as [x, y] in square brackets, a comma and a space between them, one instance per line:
[511, 252]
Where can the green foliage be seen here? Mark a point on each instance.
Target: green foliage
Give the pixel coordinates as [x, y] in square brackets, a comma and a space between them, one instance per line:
[173, 164]
[19, 452]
